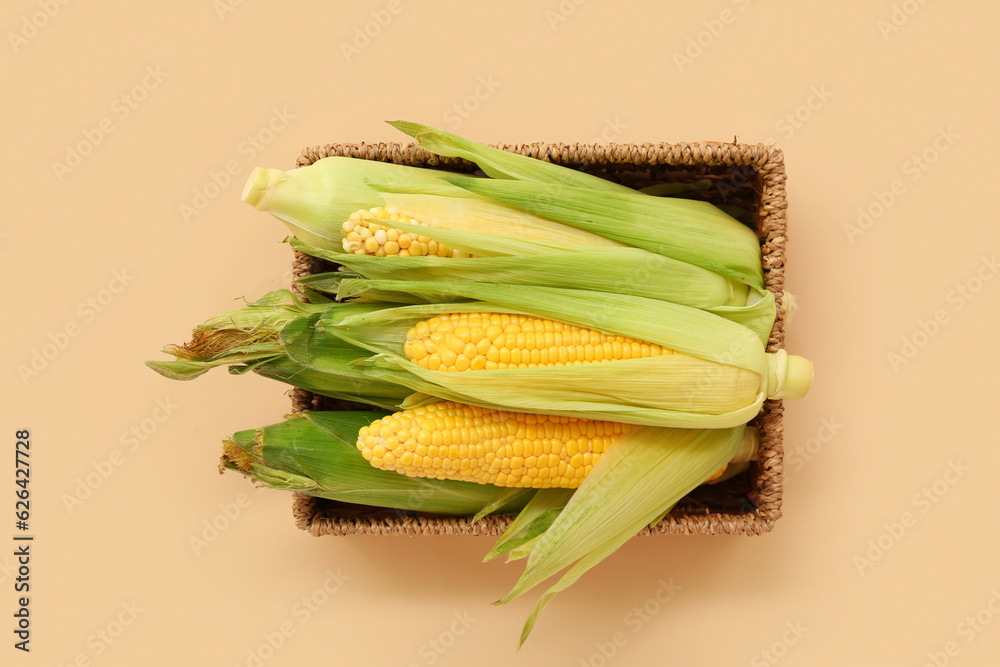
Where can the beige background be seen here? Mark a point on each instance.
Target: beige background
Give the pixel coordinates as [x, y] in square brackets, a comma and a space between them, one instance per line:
[862, 568]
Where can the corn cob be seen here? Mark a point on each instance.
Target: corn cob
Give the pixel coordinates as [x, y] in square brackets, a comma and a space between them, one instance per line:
[466, 443]
[462, 442]
[364, 236]
[717, 374]
[312, 201]
[491, 341]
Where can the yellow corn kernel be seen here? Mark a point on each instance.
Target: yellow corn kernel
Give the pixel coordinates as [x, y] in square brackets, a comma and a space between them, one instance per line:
[363, 236]
[520, 342]
[487, 446]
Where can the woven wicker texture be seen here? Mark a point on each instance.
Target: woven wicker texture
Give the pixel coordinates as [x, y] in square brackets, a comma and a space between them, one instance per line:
[751, 177]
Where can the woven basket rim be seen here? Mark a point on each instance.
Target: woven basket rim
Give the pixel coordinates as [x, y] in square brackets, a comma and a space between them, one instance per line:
[765, 157]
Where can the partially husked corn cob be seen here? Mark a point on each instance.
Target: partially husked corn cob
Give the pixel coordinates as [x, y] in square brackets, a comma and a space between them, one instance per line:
[462, 442]
[362, 236]
[467, 443]
[493, 341]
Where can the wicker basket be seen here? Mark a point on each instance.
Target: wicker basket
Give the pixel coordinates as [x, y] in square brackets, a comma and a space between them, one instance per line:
[750, 177]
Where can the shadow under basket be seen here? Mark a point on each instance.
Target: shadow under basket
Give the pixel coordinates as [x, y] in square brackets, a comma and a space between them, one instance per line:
[748, 178]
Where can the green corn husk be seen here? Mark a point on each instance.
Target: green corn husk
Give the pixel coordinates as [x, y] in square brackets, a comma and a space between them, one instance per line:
[639, 479]
[314, 453]
[250, 339]
[690, 231]
[449, 216]
[529, 525]
[720, 377]
[622, 270]
[314, 201]
[541, 511]
[758, 317]
[243, 335]
[501, 164]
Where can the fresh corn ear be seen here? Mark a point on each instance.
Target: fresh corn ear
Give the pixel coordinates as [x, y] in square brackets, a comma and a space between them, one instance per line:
[640, 476]
[466, 443]
[718, 375]
[654, 362]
